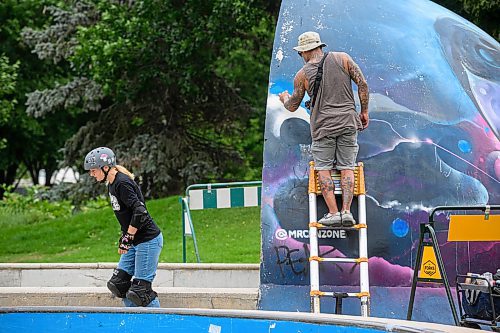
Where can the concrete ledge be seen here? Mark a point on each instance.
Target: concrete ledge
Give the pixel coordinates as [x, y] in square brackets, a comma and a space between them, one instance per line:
[204, 298]
[111, 265]
[96, 275]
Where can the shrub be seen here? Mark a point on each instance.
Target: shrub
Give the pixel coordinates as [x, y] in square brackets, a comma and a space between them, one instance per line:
[41, 203]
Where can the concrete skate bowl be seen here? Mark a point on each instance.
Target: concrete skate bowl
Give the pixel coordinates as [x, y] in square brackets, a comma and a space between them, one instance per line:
[90, 320]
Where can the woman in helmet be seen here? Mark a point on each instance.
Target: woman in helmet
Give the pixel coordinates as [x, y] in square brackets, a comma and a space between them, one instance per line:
[141, 241]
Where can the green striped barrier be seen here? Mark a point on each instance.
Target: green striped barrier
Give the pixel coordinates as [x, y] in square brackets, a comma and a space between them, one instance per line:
[215, 196]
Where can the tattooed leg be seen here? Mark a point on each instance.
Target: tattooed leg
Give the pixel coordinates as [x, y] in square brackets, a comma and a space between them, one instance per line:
[328, 188]
[347, 185]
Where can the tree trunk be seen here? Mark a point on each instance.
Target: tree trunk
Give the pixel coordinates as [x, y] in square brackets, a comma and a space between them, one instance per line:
[7, 178]
[48, 176]
[34, 172]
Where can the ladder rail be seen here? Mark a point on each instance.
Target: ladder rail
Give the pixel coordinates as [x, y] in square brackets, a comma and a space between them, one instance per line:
[364, 277]
[313, 242]
[315, 260]
[335, 294]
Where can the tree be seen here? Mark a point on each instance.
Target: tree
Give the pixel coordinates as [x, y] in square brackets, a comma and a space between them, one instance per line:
[28, 144]
[8, 77]
[169, 109]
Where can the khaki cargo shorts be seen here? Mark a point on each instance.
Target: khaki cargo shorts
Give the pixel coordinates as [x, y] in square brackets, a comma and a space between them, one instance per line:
[336, 151]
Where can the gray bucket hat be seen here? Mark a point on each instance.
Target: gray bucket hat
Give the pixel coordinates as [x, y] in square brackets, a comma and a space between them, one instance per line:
[308, 41]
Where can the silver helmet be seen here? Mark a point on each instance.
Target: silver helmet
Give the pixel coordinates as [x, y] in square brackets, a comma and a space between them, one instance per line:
[99, 157]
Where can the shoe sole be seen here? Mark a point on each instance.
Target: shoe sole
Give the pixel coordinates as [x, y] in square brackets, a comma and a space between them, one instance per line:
[134, 298]
[331, 223]
[348, 223]
[114, 290]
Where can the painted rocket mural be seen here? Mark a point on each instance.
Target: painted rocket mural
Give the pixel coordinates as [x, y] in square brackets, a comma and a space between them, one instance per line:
[433, 139]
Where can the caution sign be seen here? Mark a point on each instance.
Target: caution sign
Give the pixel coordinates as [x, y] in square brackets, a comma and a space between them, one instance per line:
[467, 228]
[429, 269]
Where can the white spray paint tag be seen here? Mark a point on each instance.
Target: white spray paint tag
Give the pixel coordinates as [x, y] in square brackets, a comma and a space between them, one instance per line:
[214, 329]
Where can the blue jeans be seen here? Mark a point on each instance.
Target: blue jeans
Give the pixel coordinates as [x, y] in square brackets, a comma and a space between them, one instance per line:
[141, 261]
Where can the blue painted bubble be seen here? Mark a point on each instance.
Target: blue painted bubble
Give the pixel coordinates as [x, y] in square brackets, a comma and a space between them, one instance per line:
[400, 227]
[464, 146]
[280, 86]
[276, 89]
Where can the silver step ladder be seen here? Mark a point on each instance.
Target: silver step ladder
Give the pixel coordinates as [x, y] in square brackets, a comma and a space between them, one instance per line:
[361, 227]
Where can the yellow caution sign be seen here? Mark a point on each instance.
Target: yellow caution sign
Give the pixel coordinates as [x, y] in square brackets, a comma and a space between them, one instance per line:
[429, 268]
[474, 228]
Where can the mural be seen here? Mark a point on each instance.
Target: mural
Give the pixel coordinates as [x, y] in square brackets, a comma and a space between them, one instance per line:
[433, 139]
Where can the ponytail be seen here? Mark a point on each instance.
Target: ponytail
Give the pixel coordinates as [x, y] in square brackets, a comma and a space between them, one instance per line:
[124, 170]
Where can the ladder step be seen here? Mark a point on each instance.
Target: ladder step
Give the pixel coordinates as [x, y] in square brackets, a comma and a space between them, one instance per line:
[341, 260]
[338, 294]
[322, 226]
[346, 260]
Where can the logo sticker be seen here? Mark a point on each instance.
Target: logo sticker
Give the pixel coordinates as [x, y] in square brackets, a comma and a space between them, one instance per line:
[91, 160]
[281, 234]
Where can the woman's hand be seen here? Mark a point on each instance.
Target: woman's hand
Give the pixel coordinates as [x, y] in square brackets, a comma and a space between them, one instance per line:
[125, 243]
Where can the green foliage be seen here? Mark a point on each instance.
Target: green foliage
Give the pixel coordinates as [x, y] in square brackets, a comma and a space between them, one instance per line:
[31, 206]
[184, 81]
[236, 242]
[8, 76]
[56, 43]
[79, 93]
[25, 141]
[485, 14]
[92, 236]
[41, 203]
[155, 72]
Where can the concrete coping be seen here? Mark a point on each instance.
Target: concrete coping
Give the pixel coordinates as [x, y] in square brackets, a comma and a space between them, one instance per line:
[108, 265]
[388, 325]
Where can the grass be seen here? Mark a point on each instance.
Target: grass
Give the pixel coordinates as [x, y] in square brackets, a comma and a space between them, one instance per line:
[223, 235]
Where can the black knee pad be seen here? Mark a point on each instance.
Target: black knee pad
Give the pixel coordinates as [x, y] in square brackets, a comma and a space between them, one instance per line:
[119, 283]
[140, 293]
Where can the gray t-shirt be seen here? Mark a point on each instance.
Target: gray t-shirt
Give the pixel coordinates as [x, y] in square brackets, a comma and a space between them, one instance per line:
[334, 109]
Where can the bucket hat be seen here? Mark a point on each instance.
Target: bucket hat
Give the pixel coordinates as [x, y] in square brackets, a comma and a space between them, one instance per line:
[309, 40]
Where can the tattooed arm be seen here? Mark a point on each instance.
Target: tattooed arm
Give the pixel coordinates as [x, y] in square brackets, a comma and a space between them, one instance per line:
[292, 102]
[358, 78]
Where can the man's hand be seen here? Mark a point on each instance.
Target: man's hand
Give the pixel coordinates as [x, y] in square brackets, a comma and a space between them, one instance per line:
[292, 102]
[363, 92]
[284, 96]
[125, 243]
[365, 119]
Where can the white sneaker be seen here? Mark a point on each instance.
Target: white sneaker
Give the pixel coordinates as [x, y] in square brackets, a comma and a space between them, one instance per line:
[331, 220]
[347, 219]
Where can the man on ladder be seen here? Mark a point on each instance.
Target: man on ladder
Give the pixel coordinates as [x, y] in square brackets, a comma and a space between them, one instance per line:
[334, 120]
[334, 125]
